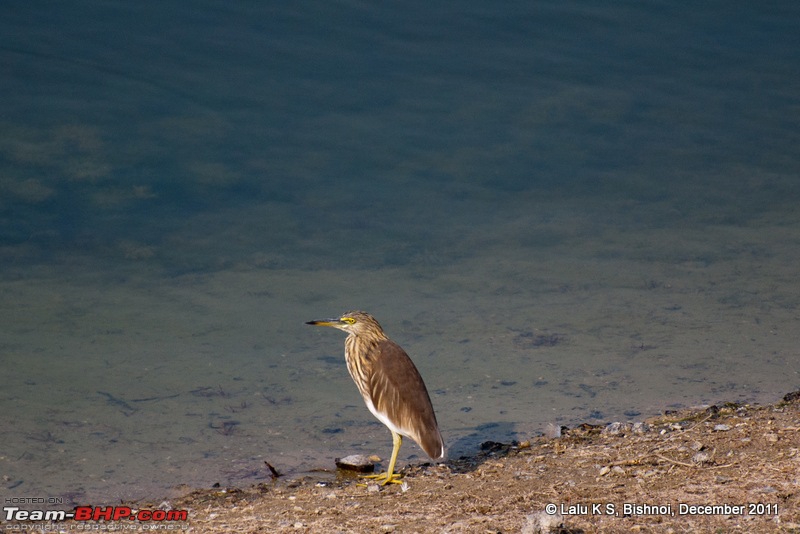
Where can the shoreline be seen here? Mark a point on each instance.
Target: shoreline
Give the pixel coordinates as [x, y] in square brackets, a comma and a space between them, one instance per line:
[677, 470]
[731, 467]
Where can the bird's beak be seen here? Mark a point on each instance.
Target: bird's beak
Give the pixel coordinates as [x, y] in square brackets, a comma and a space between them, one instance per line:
[326, 322]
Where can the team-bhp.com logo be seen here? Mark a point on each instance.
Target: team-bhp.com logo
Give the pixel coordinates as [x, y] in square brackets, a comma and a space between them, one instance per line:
[95, 513]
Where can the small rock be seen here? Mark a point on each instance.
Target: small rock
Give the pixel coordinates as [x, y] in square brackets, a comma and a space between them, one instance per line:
[356, 462]
[552, 431]
[615, 429]
[791, 397]
[640, 428]
[542, 523]
[702, 458]
[721, 428]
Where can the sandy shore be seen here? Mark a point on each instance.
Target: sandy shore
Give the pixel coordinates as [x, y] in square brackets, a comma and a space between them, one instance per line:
[733, 468]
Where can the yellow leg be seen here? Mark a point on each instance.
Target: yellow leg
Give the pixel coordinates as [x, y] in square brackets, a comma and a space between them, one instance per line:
[390, 477]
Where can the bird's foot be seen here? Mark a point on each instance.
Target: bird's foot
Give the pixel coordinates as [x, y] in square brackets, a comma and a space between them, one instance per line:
[386, 478]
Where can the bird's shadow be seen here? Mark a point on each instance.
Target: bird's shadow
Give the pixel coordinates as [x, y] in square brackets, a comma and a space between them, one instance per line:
[487, 441]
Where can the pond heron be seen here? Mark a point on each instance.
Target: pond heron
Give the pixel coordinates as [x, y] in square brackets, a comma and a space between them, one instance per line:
[392, 387]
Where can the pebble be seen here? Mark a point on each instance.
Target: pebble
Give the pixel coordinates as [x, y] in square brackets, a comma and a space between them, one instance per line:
[552, 431]
[615, 429]
[541, 523]
[641, 428]
[356, 462]
[702, 458]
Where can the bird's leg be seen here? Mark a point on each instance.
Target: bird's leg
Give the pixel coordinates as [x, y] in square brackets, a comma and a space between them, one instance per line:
[390, 477]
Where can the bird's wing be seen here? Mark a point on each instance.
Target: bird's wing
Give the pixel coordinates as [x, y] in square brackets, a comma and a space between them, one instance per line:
[399, 394]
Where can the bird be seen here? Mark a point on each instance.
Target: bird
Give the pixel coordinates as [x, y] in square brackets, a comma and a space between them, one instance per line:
[391, 386]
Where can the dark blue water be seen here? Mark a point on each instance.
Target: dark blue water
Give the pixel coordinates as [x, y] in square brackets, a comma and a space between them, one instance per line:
[565, 211]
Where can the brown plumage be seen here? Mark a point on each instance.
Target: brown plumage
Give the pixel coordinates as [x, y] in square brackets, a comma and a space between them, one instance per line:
[390, 384]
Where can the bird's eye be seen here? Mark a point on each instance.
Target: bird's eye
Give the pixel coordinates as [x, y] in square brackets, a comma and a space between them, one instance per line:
[348, 320]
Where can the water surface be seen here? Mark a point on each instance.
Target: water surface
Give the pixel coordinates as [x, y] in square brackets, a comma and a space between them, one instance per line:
[564, 212]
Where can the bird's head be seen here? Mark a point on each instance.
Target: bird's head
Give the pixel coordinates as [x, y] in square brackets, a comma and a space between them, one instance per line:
[357, 323]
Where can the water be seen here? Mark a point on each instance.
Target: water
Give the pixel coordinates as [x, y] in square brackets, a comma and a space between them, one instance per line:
[565, 212]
